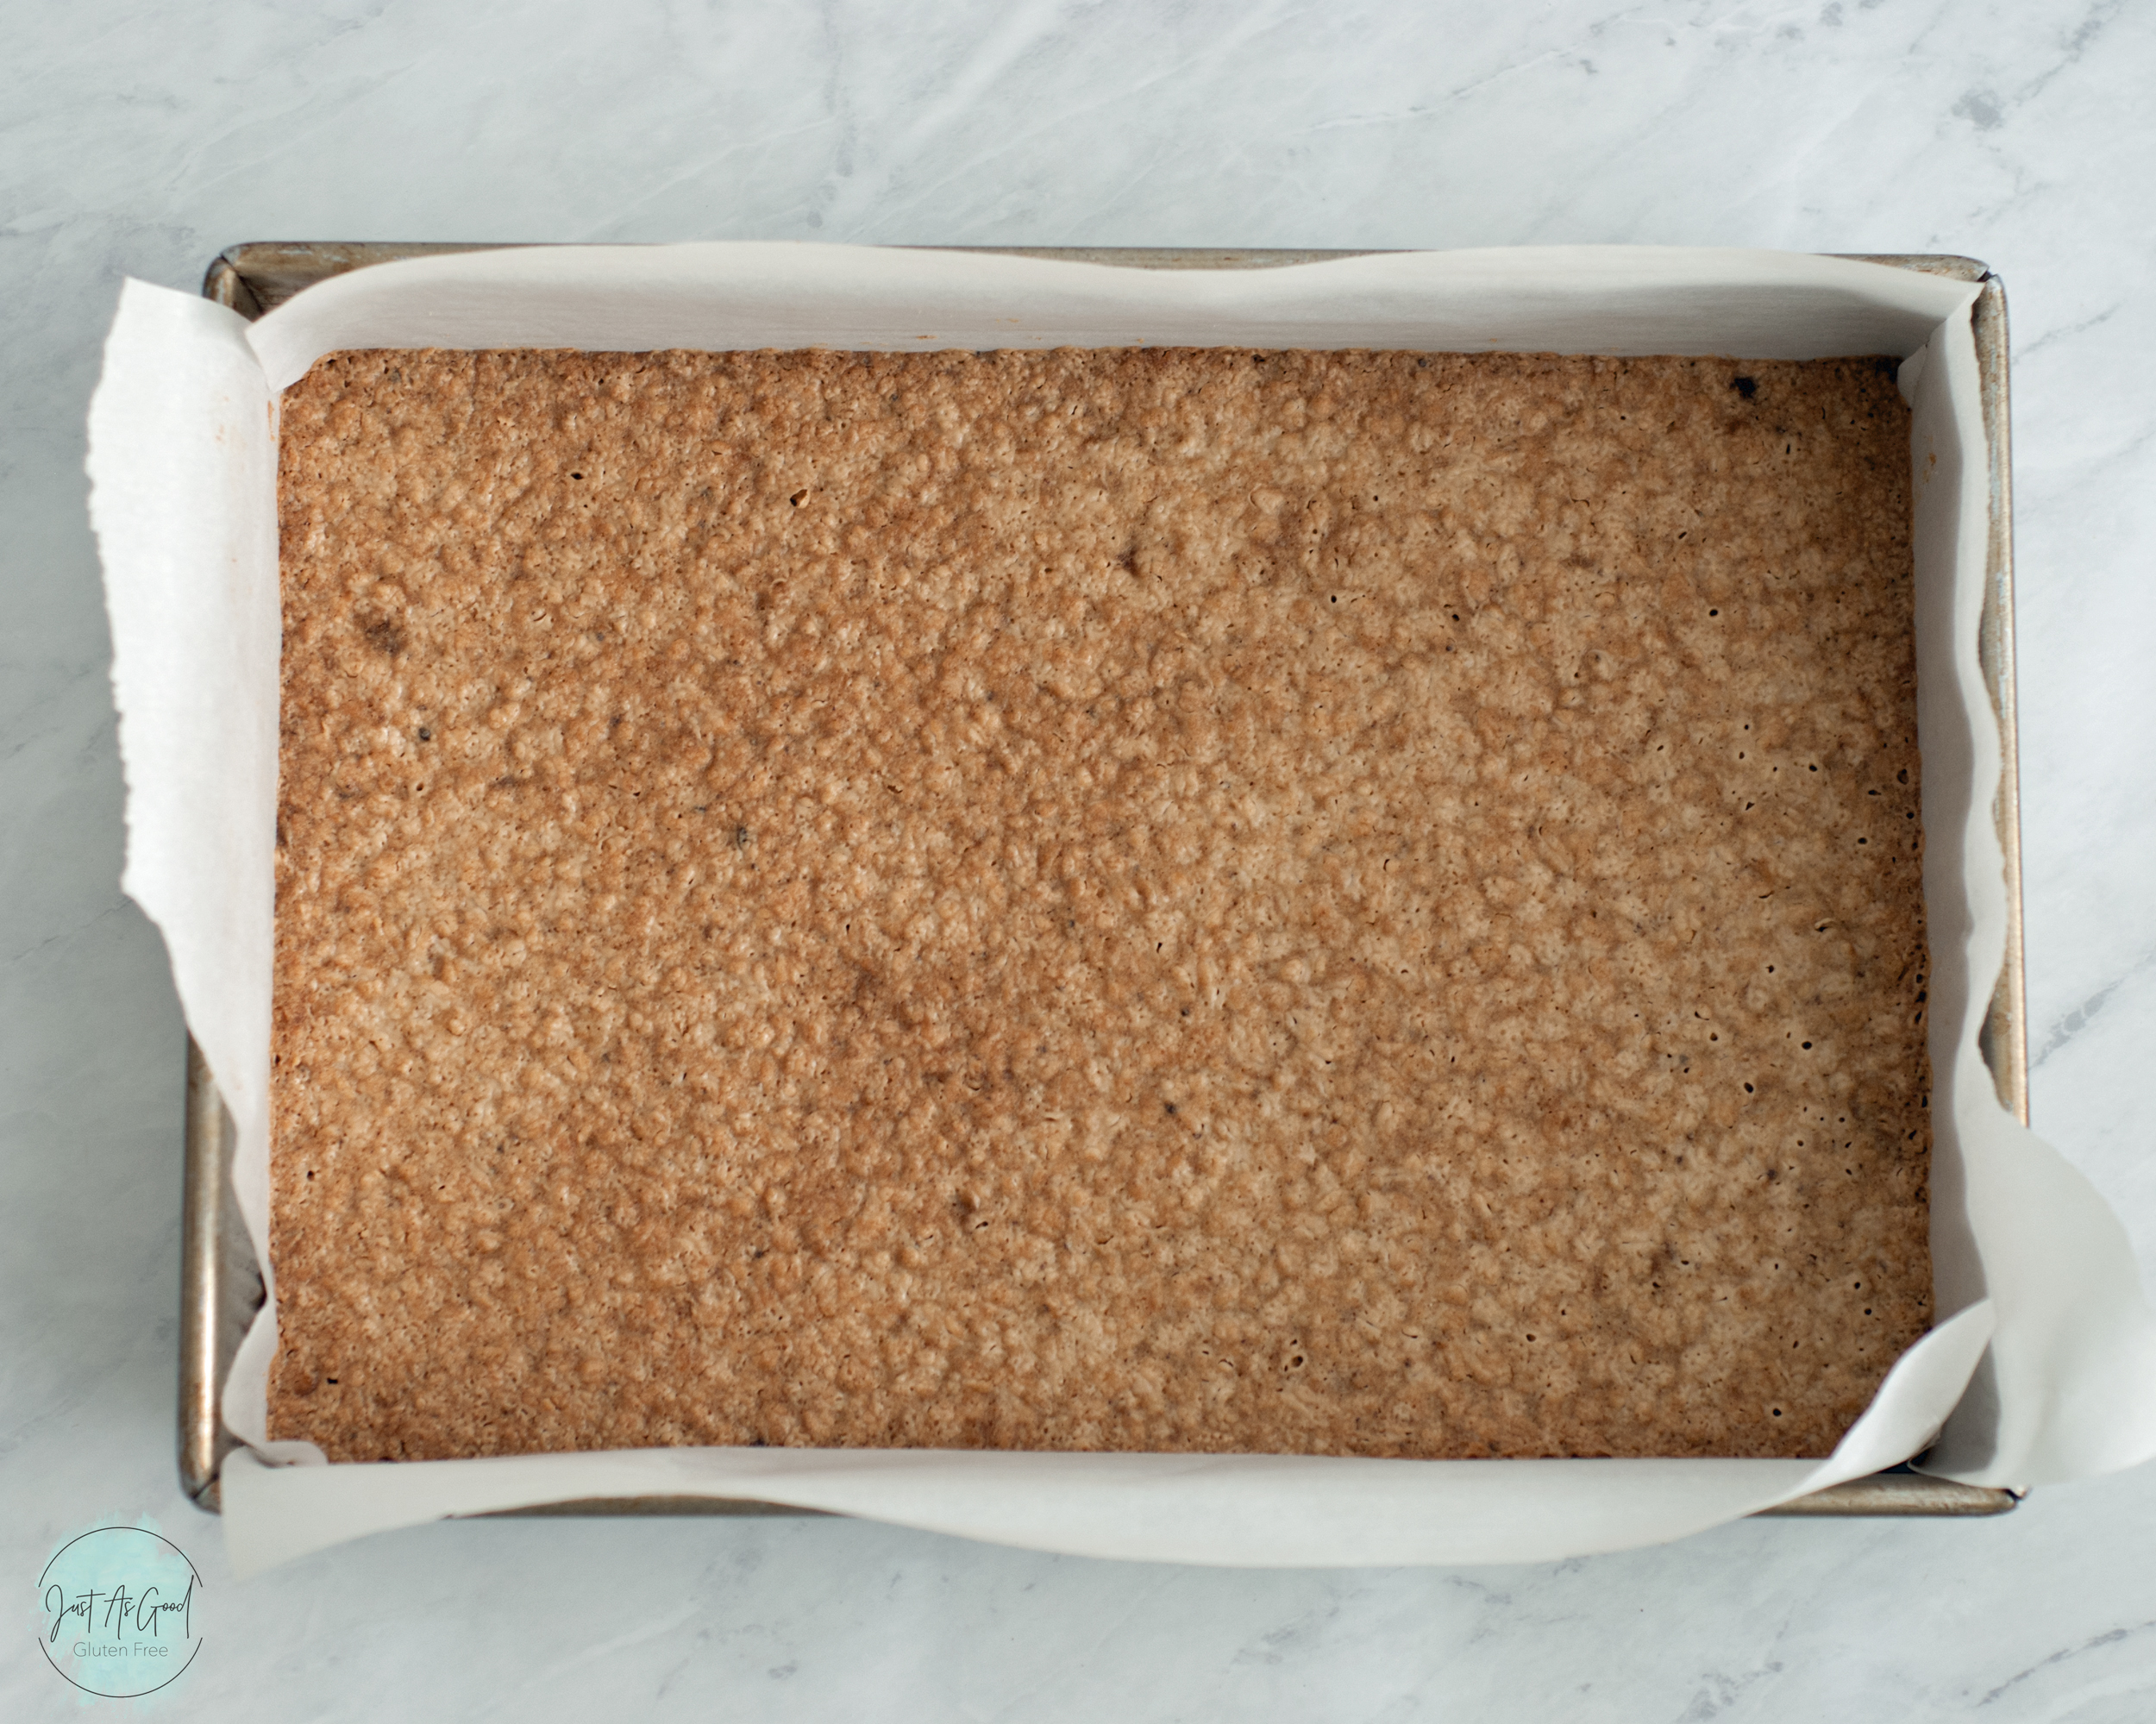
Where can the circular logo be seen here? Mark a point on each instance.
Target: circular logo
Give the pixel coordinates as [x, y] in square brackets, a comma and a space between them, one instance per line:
[117, 1607]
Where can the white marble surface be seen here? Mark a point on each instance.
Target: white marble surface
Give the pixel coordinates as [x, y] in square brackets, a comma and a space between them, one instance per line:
[139, 138]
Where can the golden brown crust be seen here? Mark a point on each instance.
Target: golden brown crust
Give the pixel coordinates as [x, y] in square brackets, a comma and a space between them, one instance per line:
[1357, 903]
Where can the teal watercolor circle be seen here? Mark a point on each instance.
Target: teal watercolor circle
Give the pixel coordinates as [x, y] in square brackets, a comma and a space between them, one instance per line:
[119, 1611]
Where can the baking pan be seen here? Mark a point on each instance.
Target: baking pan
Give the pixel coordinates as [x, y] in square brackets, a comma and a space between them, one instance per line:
[220, 1283]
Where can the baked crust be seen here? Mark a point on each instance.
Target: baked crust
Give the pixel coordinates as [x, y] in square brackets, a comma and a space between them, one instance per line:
[1192, 899]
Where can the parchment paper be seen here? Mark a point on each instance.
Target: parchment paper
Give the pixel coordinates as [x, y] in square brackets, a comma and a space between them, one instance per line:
[183, 462]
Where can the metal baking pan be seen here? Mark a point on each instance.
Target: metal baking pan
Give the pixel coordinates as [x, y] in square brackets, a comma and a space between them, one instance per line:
[220, 1283]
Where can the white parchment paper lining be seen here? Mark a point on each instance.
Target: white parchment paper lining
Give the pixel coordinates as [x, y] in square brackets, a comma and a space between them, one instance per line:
[183, 459]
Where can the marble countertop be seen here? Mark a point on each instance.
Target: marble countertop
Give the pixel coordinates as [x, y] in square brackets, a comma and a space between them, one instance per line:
[139, 139]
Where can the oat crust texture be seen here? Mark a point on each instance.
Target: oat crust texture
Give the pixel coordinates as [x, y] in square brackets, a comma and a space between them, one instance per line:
[1195, 900]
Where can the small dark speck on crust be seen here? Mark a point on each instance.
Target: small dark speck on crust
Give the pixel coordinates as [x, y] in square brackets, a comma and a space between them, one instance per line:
[1746, 386]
